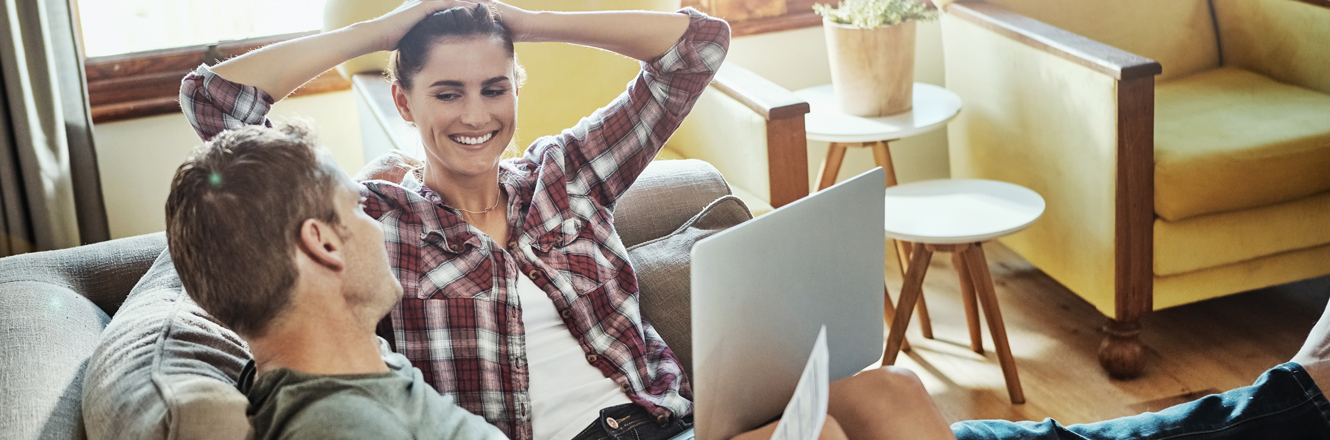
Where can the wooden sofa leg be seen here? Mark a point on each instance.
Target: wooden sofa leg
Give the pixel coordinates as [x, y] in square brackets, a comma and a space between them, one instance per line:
[1121, 353]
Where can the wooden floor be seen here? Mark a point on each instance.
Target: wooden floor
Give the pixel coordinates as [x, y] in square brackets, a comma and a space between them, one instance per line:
[1191, 350]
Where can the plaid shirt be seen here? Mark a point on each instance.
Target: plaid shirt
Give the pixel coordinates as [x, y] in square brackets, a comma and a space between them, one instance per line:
[460, 320]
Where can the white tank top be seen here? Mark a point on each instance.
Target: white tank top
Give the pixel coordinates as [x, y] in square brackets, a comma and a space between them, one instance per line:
[567, 393]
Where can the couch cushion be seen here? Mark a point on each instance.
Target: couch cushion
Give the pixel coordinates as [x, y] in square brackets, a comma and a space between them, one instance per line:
[1179, 34]
[164, 369]
[1229, 139]
[663, 266]
[1231, 237]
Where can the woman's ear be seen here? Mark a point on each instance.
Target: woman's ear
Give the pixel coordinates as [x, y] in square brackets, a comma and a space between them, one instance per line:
[400, 100]
[322, 245]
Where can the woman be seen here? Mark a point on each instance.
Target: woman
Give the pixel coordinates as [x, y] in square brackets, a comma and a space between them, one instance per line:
[518, 299]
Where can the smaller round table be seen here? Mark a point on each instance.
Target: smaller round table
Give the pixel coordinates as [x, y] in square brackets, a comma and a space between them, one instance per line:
[957, 216]
[932, 107]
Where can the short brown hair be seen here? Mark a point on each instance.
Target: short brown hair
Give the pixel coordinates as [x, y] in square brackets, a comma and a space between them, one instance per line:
[234, 215]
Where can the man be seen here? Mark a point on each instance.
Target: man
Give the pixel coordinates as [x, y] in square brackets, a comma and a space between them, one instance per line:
[269, 238]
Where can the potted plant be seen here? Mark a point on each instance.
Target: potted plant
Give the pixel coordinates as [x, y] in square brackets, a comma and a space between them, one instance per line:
[870, 44]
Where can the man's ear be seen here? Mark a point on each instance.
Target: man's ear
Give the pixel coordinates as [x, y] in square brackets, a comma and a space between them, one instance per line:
[399, 99]
[320, 243]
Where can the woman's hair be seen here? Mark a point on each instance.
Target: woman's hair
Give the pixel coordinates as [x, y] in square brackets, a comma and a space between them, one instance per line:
[460, 22]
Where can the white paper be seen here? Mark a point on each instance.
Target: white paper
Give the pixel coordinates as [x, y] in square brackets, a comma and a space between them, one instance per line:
[807, 410]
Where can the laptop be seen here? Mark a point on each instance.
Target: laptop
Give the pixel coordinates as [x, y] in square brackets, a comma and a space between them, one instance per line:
[762, 290]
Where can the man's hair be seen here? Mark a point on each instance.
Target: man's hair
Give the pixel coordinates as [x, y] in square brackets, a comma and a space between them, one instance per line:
[234, 215]
[458, 22]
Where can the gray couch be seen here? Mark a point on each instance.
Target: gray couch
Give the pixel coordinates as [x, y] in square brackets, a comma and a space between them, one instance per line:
[55, 305]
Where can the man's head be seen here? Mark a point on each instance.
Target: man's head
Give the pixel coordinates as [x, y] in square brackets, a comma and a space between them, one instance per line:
[256, 210]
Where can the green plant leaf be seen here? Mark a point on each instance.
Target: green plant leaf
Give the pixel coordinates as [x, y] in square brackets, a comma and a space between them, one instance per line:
[871, 14]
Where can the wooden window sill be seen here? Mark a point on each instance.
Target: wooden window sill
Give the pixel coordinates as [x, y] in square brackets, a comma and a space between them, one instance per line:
[146, 84]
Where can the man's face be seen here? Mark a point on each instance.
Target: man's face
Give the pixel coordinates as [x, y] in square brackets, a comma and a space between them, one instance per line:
[368, 278]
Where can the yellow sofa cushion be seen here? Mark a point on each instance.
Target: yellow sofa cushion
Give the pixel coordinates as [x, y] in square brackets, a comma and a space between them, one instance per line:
[1179, 34]
[1231, 237]
[1229, 139]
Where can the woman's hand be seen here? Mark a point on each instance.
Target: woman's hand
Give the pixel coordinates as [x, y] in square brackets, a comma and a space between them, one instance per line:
[516, 19]
[391, 166]
[391, 27]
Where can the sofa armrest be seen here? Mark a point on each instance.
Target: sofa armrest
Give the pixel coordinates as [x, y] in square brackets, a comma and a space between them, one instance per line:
[1072, 119]
[1050, 39]
[664, 197]
[1283, 39]
[102, 272]
[753, 131]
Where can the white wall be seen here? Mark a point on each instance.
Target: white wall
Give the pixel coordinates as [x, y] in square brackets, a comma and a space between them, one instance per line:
[138, 157]
[797, 59]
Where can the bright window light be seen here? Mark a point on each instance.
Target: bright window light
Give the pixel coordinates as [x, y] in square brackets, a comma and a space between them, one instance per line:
[113, 27]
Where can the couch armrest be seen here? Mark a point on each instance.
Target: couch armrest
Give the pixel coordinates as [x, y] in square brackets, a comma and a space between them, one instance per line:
[1283, 39]
[664, 197]
[102, 272]
[1072, 119]
[753, 131]
[1058, 42]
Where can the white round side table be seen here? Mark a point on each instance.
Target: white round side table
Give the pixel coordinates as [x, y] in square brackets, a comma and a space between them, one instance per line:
[933, 107]
[957, 216]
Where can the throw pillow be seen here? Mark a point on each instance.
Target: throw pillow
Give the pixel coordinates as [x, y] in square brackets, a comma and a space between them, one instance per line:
[663, 265]
[164, 369]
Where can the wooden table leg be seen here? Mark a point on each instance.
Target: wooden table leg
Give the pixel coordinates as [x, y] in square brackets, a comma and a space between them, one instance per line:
[914, 285]
[882, 156]
[903, 258]
[971, 307]
[889, 311]
[977, 265]
[831, 165]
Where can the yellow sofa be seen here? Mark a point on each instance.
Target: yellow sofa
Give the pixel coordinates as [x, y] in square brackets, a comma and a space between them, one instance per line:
[749, 128]
[1183, 146]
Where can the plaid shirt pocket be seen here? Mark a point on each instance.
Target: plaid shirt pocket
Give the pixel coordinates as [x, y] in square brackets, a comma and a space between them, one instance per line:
[466, 274]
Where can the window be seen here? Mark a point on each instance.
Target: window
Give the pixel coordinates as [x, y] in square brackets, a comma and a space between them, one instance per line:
[137, 50]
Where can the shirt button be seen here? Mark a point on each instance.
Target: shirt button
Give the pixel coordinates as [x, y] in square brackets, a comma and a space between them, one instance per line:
[533, 275]
[627, 388]
[591, 358]
[566, 313]
[453, 247]
[614, 424]
[512, 246]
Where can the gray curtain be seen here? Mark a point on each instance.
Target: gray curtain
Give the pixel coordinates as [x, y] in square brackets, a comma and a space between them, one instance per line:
[50, 190]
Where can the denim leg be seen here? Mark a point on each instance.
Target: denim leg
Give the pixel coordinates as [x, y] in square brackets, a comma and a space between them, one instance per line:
[1284, 403]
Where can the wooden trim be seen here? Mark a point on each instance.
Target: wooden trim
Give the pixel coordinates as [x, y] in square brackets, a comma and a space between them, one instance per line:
[147, 83]
[1134, 231]
[787, 160]
[760, 94]
[1321, 3]
[739, 28]
[1101, 57]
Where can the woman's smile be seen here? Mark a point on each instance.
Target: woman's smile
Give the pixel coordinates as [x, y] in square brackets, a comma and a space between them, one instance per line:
[473, 141]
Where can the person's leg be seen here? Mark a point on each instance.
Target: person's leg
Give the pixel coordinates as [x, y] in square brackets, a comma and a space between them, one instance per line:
[886, 403]
[1315, 353]
[831, 430]
[1284, 403]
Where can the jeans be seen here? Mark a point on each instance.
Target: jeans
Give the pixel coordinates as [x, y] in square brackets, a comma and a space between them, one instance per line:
[632, 422]
[1284, 404]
